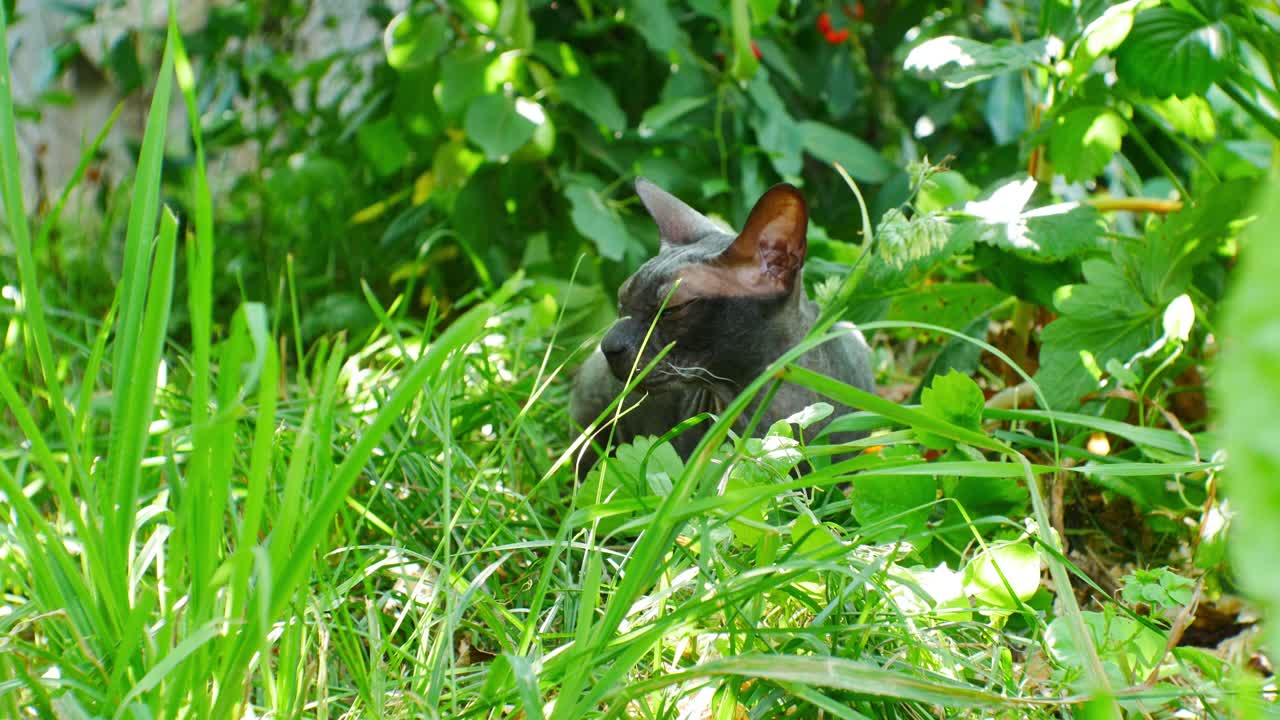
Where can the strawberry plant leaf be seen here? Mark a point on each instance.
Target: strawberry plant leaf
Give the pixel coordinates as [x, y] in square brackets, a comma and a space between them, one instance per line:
[1174, 52]
[1045, 234]
[1084, 140]
[953, 397]
[958, 61]
[1103, 318]
[892, 508]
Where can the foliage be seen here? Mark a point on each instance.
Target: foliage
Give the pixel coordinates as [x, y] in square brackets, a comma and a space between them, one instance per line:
[1247, 387]
[308, 454]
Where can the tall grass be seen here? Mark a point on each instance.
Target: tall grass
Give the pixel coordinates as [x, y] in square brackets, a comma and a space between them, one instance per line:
[392, 529]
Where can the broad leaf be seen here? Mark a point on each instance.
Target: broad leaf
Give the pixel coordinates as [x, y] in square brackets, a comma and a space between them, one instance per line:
[1250, 394]
[952, 305]
[893, 508]
[586, 92]
[1174, 52]
[663, 114]
[831, 145]
[1104, 318]
[775, 129]
[955, 398]
[462, 79]
[986, 574]
[1192, 117]
[654, 21]
[1129, 650]
[942, 190]
[958, 61]
[412, 41]
[493, 123]
[598, 222]
[1120, 308]
[1006, 110]
[1048, 233]
[1103, 35]
[384, 145]
[1084, 140]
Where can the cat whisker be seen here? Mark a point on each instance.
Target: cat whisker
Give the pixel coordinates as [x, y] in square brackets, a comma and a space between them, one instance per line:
[697, 374]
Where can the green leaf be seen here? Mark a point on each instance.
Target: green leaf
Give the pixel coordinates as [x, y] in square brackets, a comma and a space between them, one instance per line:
[1104, 318]
[1018, 563]
[1174, 52]
[831, 145]
[462, 79]
[122, 61]
[811, 414]
[958, 61]
[452, 166]
[1084, 140]
[1102, 36]
[1249, 395]
[744, 58]
[598, 222]
[774, 127]
[1119, 309]
[515, 25]
[982, 496]
[1161, 588]
[893, 507]
[662, 114]
[942, 190]
[813, 541]
[384, 145]
[1192, 116]
[655, 23]
[1044, 234]
[586, 92]
[762, 10]
[493, 123]
[852, 675]
[412, 41]
[955, 398]
[484, 12]
[952, 305]
[1006, 108]
[1129, 650]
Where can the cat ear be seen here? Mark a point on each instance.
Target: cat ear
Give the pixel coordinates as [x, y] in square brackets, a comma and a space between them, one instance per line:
[678, 224]
[773, 243]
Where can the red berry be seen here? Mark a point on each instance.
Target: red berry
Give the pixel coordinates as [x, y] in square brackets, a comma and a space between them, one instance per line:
[836, 37]
[859, 12]
[755, 49]
[824, 23]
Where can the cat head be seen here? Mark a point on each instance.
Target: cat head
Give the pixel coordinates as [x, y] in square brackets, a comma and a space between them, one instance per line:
[731, 301]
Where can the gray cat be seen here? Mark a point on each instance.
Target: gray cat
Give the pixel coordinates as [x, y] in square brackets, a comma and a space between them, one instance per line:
[739, 304]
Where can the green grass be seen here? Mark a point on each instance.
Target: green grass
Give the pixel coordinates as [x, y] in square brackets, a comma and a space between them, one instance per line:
[392, 528]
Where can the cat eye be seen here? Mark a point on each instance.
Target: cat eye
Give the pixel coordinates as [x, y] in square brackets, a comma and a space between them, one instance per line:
[676, 311]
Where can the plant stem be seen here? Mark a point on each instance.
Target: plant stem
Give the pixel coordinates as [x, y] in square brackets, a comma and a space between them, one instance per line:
[1150, 205]
[1249, 106]
[1155, 158]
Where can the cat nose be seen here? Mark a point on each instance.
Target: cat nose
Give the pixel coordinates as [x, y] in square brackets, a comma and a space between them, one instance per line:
[614, 343]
